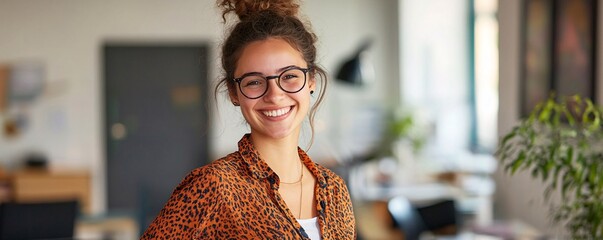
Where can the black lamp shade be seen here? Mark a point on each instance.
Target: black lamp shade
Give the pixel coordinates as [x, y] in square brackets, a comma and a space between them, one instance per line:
[350, 72]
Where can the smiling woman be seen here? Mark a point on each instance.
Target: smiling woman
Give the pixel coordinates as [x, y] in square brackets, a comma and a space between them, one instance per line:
[272, 112]
[269, 188]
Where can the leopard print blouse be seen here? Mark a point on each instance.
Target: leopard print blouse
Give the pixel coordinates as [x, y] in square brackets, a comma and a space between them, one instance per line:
[236, 197]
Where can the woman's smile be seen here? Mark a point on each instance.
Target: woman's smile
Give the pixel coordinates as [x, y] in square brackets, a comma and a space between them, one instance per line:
[277, 112]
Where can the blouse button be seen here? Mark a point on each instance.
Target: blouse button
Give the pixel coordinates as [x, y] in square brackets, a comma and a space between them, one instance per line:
[272, 183]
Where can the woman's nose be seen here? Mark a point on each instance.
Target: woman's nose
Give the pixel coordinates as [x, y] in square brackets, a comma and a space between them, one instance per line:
[274, 92]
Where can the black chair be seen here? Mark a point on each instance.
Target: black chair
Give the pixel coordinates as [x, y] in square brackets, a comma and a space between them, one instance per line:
[439, 217]
[406, 217]
[49, 220]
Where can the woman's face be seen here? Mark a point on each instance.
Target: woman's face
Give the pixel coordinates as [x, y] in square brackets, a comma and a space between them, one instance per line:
[277, 114]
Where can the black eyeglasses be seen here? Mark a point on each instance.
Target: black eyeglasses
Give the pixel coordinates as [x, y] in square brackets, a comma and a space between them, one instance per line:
[254, 85]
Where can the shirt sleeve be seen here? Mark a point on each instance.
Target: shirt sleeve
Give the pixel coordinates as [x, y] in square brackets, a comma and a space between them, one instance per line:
[179, 218]
[346, 220]
[351, 223]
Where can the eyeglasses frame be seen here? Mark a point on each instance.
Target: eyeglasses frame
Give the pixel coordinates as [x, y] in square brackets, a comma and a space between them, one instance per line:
[278, 83]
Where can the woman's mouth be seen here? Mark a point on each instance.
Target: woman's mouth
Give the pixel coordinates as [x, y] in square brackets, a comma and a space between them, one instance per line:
[277, 112]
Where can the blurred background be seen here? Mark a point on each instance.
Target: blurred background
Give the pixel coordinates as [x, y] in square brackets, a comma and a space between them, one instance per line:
[111, 103]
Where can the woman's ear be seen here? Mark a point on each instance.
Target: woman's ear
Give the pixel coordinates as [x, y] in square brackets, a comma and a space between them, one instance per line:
[233, 98]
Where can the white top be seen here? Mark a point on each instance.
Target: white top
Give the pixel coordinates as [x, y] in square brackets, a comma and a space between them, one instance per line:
[311, 227]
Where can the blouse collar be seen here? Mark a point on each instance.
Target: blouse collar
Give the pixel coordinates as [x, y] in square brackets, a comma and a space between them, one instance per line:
[260, 168]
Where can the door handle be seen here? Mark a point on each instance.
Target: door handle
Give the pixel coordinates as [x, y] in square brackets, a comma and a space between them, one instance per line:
[118, 131]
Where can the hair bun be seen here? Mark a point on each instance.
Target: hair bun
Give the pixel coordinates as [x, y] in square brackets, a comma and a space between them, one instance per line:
[246, 8]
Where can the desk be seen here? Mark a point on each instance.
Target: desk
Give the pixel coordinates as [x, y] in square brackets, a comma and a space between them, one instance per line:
[375, 223]
[471, 192]
[41, 185]
[107, 227]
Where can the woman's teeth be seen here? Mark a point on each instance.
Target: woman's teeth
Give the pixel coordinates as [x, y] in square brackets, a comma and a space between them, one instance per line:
[277, 113]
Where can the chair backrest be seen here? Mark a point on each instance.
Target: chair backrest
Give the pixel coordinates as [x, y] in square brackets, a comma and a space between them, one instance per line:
[406, 217]
[440, 214]
[49, 220]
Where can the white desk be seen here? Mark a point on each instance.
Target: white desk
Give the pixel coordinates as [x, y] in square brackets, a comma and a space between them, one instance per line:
[472, 192]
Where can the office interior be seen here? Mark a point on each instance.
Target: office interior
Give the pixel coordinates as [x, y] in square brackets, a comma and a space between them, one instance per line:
[451, 69]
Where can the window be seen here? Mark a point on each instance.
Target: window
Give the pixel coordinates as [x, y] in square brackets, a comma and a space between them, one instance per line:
[449, 71]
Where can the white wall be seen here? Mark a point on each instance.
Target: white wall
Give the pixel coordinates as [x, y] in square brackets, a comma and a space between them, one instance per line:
[341, 29]
[520, 197]
[67, 35]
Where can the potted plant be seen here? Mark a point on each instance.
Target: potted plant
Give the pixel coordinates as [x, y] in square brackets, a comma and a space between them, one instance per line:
[561, 143]
[401, 127]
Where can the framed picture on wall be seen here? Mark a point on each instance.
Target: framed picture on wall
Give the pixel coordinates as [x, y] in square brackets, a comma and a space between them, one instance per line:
[537, 34]
[574, 48]
[558, 50]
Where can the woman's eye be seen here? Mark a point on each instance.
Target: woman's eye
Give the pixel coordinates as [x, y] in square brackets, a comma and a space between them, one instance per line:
[253, 83]
[289, 77]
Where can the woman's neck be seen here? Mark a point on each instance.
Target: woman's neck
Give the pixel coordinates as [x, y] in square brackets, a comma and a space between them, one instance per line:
[280, 154]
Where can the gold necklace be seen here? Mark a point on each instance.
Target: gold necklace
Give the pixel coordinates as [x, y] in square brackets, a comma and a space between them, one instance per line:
[301, 189]
[298, 180]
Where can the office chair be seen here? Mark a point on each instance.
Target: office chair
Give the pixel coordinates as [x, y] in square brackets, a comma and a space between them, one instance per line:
[48, 220]
[406, 217]
[439, 217]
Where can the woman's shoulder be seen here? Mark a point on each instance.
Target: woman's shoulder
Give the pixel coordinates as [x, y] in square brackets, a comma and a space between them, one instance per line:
[214, 173]
[197, 195]
[219, 166]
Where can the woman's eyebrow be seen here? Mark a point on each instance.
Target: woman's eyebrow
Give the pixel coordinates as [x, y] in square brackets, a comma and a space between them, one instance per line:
[286, 68]
[251, 73]
[278, 70]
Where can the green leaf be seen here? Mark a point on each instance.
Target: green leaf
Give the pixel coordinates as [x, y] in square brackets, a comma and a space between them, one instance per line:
[545, 113]
[518, 162]
[569, 116]
[546, 169]
[566, 184]
[570, 155]
[592, 176]
[591, 116]
[508, 137]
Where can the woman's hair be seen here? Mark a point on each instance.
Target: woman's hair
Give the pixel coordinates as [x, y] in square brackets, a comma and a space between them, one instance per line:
[261, 20]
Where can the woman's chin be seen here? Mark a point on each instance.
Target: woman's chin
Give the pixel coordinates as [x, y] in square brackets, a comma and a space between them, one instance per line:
[276, 133]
